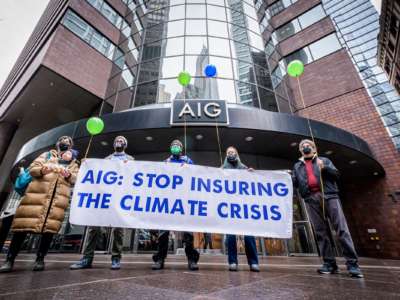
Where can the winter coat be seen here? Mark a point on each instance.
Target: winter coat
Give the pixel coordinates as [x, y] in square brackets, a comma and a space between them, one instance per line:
[329, 177]
[237, 165]
[42, 208]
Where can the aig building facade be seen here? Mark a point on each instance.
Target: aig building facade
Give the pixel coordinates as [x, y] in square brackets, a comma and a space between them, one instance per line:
[120, 59]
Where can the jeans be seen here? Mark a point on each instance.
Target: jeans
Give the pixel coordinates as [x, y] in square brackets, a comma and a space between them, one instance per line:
[250, 249]
[18, 239]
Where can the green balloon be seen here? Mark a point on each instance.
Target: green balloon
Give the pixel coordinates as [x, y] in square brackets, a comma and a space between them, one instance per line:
[94, 125]
[184, 78]
[295, 68]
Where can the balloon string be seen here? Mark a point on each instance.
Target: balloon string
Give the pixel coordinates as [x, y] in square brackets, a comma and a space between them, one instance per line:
[313, 139]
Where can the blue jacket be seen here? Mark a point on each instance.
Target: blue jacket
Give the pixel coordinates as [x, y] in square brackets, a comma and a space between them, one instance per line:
[182, 159]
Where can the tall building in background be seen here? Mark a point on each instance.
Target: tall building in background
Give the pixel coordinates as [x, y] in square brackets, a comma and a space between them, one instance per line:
[389, 45]
[126, 55]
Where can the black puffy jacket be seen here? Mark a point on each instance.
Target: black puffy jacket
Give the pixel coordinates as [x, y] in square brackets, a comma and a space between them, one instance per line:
[329, 177]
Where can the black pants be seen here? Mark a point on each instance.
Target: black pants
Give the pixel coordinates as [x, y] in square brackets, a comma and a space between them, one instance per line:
[162, 251]
[334, 212]
[207, 240]
[18, 239]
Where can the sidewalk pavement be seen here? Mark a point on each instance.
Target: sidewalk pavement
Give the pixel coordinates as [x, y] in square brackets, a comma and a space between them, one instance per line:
[280, 278]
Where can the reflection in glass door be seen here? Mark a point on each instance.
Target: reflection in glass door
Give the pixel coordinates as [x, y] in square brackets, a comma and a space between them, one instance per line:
[302, 242]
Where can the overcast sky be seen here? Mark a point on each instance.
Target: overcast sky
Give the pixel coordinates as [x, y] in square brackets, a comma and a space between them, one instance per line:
[17, 20]
[377, 4]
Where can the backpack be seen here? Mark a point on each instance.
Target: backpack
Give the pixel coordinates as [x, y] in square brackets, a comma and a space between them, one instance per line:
[24, 179]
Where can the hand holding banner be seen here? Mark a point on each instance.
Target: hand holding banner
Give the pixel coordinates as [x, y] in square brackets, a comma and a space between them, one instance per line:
[158, 195]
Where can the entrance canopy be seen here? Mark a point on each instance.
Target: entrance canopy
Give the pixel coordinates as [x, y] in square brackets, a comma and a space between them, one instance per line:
[252, 131]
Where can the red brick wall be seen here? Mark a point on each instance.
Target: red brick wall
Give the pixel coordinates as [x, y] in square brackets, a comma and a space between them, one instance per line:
[75, 60]
[366, 204]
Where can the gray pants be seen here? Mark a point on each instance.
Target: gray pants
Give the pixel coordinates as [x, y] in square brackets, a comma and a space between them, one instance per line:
[94, 234]
[333, 211]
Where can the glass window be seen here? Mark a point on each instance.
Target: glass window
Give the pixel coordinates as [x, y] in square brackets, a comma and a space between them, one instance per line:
[216, 2]
[111, 14]
[196, 27]
[176, 12]
[303, 55]
[243, 71]
[325, 46]
[171, 66]
[267, 99]
[138, 25]
[312, 16]
[195, 11]
[287, 30]
[195, 64]
[169, 90]
[128, 77]
[218, 46]
[78, 26]
[216, 12]
[255, 40]
[217, 28]
[196, 45]
[173, 46]
[149, 70]
[96, 3]
[226, 90]
[224, 68]
[247, 94]
[175, 28]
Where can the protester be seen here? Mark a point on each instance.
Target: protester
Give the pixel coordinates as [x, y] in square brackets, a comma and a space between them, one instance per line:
[323, 197]
[232, 161]
[193, 256]
[43, 206]
[94, 233]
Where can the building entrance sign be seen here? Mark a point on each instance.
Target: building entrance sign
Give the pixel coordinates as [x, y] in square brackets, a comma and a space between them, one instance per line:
[156, 195]
[199, 112]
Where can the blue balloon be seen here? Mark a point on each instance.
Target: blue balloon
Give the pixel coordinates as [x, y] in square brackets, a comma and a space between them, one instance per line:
[210, 71]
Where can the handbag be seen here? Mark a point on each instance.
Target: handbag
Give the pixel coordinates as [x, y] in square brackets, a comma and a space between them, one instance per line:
[24, 179]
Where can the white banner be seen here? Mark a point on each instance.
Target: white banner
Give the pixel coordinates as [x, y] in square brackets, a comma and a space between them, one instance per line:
[171, 196]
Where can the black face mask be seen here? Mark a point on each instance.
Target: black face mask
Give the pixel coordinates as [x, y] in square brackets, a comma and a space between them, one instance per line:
[63, 147]
[119, 146]
[307, 150]
[232, 158]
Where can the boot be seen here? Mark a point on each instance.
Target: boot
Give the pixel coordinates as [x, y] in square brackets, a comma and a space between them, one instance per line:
[7, 266]
[192, 265]
[39, 264]
[158, 265]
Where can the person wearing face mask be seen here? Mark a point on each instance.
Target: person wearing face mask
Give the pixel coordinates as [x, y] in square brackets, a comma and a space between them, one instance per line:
[94, 233]
[192, 254]
[232, 161]
[314, 175]
[42, 208]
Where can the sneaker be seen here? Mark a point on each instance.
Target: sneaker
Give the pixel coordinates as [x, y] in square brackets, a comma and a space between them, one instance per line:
[233, 267]
[84, 263]
[328, 268]
[192, 265]
[39, 264]
[115, 264]
[7, 266]
[158, 265]
[254, 268]
[354, 271]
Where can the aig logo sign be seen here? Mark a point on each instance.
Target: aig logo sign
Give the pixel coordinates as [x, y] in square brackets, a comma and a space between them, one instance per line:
[199, 112]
